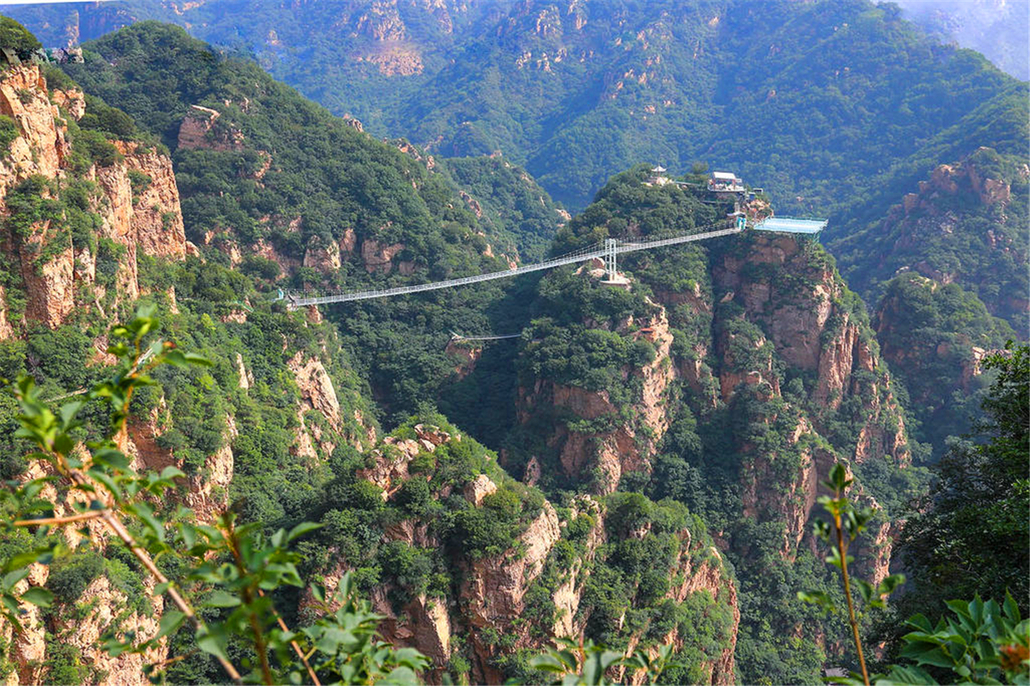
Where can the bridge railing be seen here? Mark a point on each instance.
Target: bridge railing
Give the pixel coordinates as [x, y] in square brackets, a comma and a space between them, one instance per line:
[572, 258]
[659, 242]
[582, 255]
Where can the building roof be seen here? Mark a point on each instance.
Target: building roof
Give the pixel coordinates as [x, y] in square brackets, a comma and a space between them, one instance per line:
[724, 176]
[659, 169]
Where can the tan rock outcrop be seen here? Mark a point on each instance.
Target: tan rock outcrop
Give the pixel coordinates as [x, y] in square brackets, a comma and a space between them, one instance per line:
[479, 488]
[41, 145]
[390, 461]
[319, 395]
[624, 447]
[348, 241]
[246, 377]
[208, 492]
[26, 650]
[423, 624]
[151, 222]
[379, 257]
[156, 224]
[494, 590]
[50, 286]
[325, 258]
[109, 605]
[198, 131]
[6, 330]
[72, 100]
[465, 357]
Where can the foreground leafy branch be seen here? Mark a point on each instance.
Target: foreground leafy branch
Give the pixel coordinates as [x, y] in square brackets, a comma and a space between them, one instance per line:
[108, 489]
[227, 569]
[846, 522]
[232, 568]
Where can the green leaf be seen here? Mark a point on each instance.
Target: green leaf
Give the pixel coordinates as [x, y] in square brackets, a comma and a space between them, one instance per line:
[890, 583]
[171, 472]
[301, 529]
[175, 358]
[198, 360]
[37, 596]
[212, 643]
[220, 598]
[919, 621]
[115, 459]
[1011, 608]
[188, 533]
[22, 560]
[12, 578]
[106, 479]
[170, 621]
[819, 598]
[959, 607]
[143, 511]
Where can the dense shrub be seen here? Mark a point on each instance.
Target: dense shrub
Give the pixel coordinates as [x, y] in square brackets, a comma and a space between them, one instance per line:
[16, 37]
[69, 576]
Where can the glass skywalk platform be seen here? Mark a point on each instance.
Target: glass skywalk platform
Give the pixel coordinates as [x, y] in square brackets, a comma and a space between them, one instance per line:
[808, 227]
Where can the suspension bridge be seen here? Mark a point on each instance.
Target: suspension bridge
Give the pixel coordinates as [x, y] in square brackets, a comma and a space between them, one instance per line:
[607, 251]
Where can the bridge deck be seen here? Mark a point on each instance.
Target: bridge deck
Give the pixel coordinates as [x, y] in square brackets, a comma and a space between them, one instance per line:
[605, 252]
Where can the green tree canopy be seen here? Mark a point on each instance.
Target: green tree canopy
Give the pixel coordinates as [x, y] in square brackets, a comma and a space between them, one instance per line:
[970, 536]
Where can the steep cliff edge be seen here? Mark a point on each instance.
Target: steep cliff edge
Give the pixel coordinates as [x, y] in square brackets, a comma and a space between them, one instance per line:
[73, 198]
[90, 223]
[935, 335]
[730, 376]
[480, 572]
[964, 223]
[600, 435]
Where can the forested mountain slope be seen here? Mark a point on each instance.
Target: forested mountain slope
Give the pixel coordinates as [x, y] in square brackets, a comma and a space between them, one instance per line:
[729, 376]
[837, 109]
[659, 444]
[92, 226]
[947, 268]
[997, 28]
[815, 99]
[283, 425]
[285, 190]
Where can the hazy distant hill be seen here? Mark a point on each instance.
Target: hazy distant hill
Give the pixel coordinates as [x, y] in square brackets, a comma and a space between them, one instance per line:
[997, 28]
[809, 100]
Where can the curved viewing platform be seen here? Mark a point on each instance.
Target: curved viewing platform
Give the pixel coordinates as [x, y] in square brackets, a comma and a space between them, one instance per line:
[808, 227]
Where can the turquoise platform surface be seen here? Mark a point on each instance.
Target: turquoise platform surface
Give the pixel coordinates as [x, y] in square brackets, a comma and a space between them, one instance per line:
[790, 225]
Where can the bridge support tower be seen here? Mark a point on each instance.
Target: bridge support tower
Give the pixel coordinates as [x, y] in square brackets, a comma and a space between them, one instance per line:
[611, 251]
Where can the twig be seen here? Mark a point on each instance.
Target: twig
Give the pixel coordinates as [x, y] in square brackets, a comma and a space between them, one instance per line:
[115, 524]
[60, 520]
[296, 647]
[157, 666]
[248, 599]
[110, 518]
[847, 594]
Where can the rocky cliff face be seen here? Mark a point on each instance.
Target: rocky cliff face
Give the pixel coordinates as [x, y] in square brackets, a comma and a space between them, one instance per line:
[132, 202]
[75, 226]
[816, 331]
[41, 144]
[494, 593]
[793, 293]
[625, 446]
[58, 272]
[322, 423]
[777, 315]
[963, 224]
